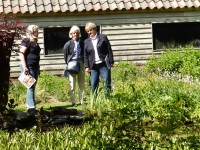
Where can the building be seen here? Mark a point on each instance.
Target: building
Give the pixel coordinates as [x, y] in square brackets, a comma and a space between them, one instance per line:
[135, 28]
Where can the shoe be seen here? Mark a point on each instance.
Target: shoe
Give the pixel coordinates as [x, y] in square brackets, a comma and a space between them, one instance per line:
[32, 112]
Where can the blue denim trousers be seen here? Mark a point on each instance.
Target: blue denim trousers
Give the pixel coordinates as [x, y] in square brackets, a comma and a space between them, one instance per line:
[100, 70]
[30, 94]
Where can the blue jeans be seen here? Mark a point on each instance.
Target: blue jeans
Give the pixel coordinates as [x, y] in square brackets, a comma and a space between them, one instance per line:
[102, 71]
[30, 95]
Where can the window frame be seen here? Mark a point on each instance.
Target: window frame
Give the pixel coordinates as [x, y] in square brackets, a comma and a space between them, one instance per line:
[175, 29]
[65, 38]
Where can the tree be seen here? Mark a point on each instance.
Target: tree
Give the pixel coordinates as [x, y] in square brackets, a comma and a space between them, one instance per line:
[10, 30]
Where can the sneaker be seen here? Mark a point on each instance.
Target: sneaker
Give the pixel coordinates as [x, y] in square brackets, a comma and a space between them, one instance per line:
[32, 111]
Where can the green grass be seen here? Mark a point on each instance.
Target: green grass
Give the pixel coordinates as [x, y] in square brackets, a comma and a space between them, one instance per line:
[145, 111]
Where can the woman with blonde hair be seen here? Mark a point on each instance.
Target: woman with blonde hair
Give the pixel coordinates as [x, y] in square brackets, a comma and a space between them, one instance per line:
[30, 57]
[98, 58]
[73, 51]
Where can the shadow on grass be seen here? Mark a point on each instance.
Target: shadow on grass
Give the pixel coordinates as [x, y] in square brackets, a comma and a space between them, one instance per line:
[44, 119]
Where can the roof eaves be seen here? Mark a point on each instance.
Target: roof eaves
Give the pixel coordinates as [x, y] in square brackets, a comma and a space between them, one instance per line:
[120, 5]
[112, 4]
[136, 5]
[80, 6]
[23, 6]
[72, 8]
[88, 7]
[39, 6]
[71, 2]
[196, 3]
[159, 4]
[128, 4]
[48, 6]
[166, 4]
[55, 5]
[96, 6]
[63, 6]
[188, 3]
[105, 6]
[7, 7]
[173, 4]
[15, 6]
[181, 3]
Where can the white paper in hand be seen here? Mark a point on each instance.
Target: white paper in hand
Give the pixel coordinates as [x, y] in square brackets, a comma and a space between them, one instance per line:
[26, 80]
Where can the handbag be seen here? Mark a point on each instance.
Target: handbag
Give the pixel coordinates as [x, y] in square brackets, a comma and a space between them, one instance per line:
[73, 67]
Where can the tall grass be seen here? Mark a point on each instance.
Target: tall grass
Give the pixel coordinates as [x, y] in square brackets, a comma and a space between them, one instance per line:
[145, 110]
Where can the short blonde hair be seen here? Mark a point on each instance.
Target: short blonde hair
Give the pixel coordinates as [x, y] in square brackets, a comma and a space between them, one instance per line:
[29, 33]
[73, 29]
[90, 25]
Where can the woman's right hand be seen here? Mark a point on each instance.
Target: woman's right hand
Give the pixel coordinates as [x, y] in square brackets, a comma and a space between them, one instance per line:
[87, 69]
[26, 71]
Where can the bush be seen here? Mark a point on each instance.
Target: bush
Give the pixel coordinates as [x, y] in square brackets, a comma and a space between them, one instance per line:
[145, 111]
[182, 60]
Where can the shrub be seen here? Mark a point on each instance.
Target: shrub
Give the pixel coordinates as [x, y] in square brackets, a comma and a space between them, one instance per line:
[181, 60]
[9, 31]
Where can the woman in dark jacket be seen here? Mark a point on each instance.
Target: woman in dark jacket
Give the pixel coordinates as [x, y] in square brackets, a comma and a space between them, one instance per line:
[73, 50]
[98, 57]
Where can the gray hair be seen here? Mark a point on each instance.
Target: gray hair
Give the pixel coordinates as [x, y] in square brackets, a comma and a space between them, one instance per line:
[73, 29]
[90, 25]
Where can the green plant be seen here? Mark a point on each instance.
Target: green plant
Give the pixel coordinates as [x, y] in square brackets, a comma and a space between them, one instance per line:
[53, 85]
[181, 60]
[191, 63]
[9, 31]
[144, 111]
[123, 73]
[17, 92]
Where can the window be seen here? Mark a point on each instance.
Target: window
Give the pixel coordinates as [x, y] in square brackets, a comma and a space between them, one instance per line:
[55, 39]
[171, 35]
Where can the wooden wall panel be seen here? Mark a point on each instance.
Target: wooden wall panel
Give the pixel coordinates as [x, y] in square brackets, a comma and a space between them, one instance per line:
[130, 34]
[131, 42]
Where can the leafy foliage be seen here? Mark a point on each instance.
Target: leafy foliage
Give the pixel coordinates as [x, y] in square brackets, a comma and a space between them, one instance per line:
[182, 60]
[57, 87]
[144, 111]
[9, 31]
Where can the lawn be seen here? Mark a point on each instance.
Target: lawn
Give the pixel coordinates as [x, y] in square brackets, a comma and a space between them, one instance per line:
[149, 108]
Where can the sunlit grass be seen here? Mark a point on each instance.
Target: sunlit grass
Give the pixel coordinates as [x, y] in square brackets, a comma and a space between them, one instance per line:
[144, 111]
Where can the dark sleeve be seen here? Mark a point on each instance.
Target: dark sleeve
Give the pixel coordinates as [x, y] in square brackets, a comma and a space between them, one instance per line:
[86, 60]
[25, 42]
[110, 52]
[66, 51]
[82, 48]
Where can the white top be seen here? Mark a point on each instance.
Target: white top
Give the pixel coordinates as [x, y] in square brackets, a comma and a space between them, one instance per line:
[77, 50]
[94, 42]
